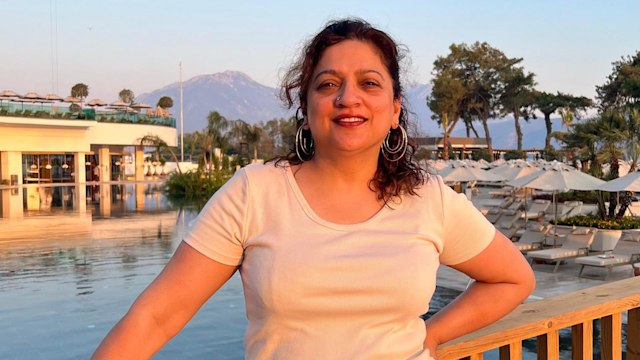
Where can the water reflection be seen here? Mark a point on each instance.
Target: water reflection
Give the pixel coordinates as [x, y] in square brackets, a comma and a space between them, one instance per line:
[75, 259]
[98, 199]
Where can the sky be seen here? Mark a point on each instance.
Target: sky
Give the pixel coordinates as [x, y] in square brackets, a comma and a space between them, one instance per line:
[50, 45]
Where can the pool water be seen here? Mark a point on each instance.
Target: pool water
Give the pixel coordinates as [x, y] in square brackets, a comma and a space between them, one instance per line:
[66, 278]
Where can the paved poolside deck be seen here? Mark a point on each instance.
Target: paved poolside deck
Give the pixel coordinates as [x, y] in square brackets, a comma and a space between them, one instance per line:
[548, 283]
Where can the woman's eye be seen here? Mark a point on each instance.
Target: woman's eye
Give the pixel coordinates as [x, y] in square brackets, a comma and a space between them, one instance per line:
[327, 84]
[371, 83]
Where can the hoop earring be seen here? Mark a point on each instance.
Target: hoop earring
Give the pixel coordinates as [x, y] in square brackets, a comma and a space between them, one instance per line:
[394, 153]
[305, 146]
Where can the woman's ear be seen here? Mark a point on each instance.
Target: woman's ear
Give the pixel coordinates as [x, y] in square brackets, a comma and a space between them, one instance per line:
[397, 108]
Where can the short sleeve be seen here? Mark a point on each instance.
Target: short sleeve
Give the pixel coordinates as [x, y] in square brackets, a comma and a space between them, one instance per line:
[218, 231]
[466, 231]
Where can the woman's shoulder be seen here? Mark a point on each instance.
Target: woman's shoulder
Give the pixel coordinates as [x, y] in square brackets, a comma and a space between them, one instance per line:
[431, 184]
[264, 173]
[265, 169]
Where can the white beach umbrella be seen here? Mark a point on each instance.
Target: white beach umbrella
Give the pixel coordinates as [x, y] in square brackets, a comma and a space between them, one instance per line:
[464, 173]
[514, 170]
[8, 95]
[52, 97]
[96, 102]
[629, 182]
[119, 103]
[141, 106]
[557, 178]
[72, 99]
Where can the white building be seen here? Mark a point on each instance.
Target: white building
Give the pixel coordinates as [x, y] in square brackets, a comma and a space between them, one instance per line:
[37, 150]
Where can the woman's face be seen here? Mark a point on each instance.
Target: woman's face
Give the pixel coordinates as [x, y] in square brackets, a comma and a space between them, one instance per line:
[350, 104]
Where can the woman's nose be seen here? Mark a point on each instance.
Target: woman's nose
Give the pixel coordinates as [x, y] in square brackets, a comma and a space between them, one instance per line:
[348, 95]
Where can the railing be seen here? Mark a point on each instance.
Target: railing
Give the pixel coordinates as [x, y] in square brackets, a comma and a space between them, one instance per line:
[543, 319]
[57, 113]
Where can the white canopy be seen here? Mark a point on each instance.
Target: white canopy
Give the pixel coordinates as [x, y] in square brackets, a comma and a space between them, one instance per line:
[629, 182]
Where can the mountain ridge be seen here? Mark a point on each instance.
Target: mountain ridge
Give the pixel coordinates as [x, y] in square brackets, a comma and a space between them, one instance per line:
[236, 96]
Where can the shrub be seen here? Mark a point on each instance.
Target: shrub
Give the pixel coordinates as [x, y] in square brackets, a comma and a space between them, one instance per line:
[482, 154]
[587, 197]
[514, 154]
[624, 223]
[196, 183]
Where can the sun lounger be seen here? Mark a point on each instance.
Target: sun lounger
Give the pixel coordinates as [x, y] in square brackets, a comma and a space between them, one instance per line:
[532, 238]
[493, 215]
[565, 210]
[536, 209]
[576, 244]
[506, 224]
[557, 234]
[605, 240]
[517, 204]
[608, 260]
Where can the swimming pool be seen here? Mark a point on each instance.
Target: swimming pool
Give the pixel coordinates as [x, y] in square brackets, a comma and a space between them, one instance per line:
[66, 277]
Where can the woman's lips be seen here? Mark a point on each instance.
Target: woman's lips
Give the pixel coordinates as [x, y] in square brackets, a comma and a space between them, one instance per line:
[349, 121]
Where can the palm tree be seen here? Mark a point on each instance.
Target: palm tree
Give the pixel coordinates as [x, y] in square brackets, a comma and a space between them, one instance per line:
[247, 134]
[632, 137]
[160, 146]
[81, 91]
[213, 136]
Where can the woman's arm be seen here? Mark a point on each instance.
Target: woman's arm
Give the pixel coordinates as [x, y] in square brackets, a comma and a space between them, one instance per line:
[165, 306]
[503, 280]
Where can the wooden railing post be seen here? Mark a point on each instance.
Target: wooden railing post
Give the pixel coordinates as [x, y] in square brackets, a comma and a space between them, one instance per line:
[611, 334]
[633, 334]
[549, 346]
[512, 351]
[582, 341]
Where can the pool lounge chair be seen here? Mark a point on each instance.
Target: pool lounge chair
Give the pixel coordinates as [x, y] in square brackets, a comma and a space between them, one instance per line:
[506, 224]
[536, 209]
[565, 210]
[493, 215]
[557, 234]
[532, 238]
[576, 244]
[608, 260]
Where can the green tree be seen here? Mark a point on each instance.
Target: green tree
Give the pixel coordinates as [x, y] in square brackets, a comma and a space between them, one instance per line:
[548, 104]
[81, 91]
[160, 147]
[165, 102]
[213, 135]
[247, 135]
[480, 70]
[278, 136]
[622, 88]
[445, 99]
[517, 97]
[126, 96]
[632, 137]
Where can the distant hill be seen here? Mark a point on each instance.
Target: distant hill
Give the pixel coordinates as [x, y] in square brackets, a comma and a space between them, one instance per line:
[233, 94]
[236, 96]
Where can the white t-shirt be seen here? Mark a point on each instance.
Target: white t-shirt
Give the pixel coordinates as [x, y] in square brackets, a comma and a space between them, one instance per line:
[320, 290]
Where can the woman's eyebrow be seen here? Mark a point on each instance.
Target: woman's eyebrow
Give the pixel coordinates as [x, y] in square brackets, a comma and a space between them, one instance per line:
[359, 72]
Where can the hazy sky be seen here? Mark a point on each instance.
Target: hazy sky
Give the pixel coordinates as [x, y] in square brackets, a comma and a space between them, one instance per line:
[49, 45]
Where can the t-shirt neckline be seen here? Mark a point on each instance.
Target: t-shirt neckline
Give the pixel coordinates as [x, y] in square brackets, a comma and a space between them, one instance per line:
[304, 204]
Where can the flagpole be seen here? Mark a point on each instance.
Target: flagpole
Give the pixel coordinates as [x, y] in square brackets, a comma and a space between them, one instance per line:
[181, 120]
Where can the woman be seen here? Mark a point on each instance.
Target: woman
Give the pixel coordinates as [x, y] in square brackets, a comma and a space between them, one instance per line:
[337, 243]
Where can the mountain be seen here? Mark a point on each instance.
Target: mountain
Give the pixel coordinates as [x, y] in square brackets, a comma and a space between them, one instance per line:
[231, 93]
[236, 96]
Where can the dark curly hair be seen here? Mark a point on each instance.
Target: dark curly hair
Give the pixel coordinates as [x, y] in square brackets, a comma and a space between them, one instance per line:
[392, 178]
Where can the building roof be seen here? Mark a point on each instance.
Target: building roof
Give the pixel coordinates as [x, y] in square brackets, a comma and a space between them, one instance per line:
[434, 143]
